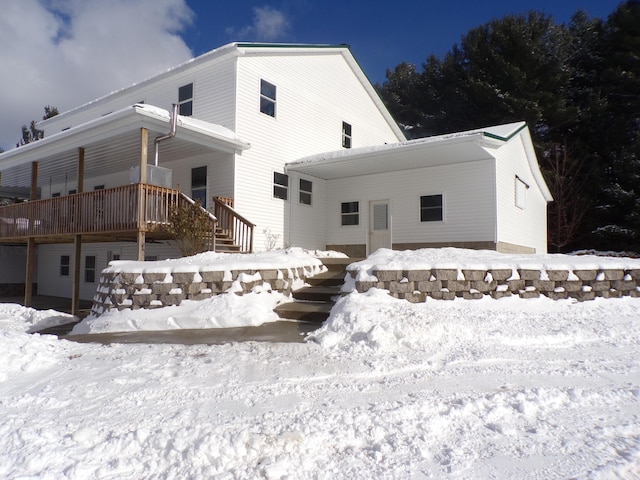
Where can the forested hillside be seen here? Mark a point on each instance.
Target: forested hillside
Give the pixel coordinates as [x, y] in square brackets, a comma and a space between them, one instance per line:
[577, 85]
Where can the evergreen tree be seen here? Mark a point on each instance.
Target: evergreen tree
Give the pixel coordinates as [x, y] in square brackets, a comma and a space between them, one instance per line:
[577, 87]
[32, 133]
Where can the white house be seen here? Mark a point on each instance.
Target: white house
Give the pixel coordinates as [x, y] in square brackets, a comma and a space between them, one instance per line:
[480, 189]
[253, 127]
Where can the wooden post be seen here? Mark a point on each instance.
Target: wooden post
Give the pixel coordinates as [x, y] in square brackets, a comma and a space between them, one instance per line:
[28, 281]
[77, 240]
[31, 243]
[144, 147]
[75, 294]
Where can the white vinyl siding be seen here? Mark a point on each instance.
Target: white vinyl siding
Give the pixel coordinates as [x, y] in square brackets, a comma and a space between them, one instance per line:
[49, 283]
[315, 93]
[215, 82]
[517, 225]
[466, 220]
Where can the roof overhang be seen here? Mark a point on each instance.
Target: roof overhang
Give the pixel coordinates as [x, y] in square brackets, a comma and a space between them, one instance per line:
[113, 142]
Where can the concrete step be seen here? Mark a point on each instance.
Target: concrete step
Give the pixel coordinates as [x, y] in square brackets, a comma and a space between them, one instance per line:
[304, 311]
[317, 293]
[327, 279]
[338, 264]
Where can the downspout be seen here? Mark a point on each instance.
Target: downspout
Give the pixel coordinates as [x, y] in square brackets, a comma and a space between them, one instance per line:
[172, 133]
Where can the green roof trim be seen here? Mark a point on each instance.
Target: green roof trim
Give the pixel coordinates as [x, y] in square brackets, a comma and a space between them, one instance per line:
[505, 139]
[292, 45]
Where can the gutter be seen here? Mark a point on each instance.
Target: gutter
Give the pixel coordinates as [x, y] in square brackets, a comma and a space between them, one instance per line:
[172, 133]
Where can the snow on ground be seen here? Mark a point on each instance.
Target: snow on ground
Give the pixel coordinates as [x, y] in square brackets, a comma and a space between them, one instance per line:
[459, 389]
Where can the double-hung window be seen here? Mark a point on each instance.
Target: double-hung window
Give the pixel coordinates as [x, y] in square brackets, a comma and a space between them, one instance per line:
[65, 262]
[280, 185]
[346, 135]
[90, 269]
[199, 185]
[185, 100]
[431, 208]
[267, 98]
[350, 213]
[306, 187]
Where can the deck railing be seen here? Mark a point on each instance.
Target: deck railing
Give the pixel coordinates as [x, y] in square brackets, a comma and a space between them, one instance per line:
[233, 225]
[120, 209]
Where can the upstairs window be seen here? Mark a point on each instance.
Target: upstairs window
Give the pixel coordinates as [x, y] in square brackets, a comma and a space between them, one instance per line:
[351, 213]
[346, 135]
[185, 100]
[431, 208]
[306, 188]
[280, 185]
[267, 98]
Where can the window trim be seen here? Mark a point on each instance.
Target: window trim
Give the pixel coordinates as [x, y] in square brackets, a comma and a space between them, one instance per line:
[65, 266]
[89, 271]
[266, 101]
[185, 100]
[347, 136]
[199, 187]
[303, 193]
[280, 187]
[421, 209]
[355, 214]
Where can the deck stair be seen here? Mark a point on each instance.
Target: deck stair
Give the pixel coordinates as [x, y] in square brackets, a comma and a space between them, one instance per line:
[313, 303]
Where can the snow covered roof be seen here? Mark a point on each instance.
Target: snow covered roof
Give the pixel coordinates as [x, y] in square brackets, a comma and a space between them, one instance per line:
[458, 147]
[112, 140]
[248, 48]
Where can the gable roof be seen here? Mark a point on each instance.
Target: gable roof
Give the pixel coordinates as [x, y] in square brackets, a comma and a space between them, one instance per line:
[459, 147]
[239, 49]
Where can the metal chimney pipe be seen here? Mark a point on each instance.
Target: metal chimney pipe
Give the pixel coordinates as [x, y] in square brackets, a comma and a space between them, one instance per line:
[172, 133]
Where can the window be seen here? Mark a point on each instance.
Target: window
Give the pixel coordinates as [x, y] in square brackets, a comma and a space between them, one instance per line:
[267, 98]
[90, 269]
[185, 100]
[55, 194]
[150, 258]
[99, 187]
[521, 193]
[280, 185]
[199, 185]
[305, 191]
[72, 191]
[351, 213]
[64, 265]
[431, 208]
[346, 135]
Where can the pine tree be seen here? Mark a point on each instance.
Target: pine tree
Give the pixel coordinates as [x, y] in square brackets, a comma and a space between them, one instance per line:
[32, 133]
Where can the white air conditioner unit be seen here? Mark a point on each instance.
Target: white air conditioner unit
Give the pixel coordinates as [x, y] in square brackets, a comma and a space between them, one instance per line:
[159, 176]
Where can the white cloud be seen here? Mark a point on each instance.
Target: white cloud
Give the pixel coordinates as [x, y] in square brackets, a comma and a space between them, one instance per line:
[268, 24]
[67, 52]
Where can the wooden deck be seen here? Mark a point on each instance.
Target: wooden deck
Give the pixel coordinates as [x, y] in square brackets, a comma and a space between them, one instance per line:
[113, 214]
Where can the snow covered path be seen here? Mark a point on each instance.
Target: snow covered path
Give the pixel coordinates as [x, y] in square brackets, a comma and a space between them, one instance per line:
[387, 389]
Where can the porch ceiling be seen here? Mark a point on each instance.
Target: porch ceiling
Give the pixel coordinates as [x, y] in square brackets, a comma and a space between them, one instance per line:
[112, 143]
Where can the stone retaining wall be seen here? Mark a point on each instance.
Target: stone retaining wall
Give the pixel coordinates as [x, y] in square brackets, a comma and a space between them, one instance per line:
[447, 284]
[122, 290]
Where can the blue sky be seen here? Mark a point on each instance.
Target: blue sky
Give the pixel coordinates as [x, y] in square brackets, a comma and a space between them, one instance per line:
[68, 52]
[381, 33]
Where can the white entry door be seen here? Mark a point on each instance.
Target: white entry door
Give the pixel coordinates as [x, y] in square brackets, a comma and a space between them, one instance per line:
[379, 225]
